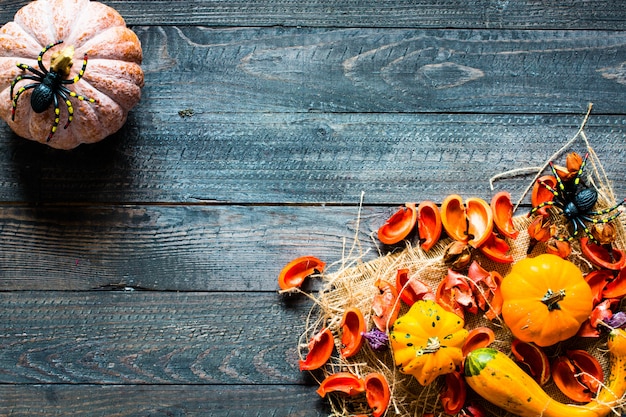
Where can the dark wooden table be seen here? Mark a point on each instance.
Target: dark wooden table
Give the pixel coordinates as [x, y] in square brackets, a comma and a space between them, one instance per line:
[138, 275]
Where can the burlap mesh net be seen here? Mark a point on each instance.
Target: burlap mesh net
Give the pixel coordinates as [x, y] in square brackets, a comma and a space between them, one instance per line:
[352, 285]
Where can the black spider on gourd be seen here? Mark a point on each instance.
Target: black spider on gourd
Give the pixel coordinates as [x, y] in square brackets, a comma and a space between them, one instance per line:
[576, 200]
[49, 85]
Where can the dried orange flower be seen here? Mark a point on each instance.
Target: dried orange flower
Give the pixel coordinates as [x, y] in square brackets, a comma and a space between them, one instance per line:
[604, 233]
[558, 247]
[457, 255]
[573, 161]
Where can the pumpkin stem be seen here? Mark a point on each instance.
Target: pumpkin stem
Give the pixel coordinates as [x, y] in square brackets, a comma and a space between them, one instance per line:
[61, 62]
[551, 299]
[432, 346]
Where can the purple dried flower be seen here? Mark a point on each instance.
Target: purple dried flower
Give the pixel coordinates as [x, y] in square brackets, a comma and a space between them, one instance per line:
[617, 321]
[377, 339]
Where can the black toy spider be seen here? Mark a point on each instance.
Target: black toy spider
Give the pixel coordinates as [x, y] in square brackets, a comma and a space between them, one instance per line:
[48, 85]
[575, 201]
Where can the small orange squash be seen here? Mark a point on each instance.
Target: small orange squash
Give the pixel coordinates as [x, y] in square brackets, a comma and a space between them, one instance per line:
[427, 341]
[546, 299]
[112, 76]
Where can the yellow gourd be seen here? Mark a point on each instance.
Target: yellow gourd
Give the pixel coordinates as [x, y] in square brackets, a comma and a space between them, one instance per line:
[498, 379]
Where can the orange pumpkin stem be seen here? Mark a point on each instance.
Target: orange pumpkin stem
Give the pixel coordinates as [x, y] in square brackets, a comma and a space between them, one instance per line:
[551, 299]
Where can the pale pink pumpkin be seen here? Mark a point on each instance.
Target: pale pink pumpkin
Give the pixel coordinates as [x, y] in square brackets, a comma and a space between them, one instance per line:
[113, 76]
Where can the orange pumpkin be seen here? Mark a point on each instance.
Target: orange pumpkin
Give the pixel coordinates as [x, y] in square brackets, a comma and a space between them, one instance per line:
[112, 76]
[546, 299]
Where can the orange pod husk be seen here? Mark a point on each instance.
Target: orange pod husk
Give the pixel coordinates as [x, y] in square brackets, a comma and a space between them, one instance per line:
[377, 393]
[385, 305]
[320, 348]
[496, 249]
[602, 312]
[600, 256]
[591, 374]
[597, 280]
[479, 221]
[454, 294]
[454, 393]
[295, 272]
[399, 225]
[533, 358]
[496, 302]
[541, 194]
[502, 209]
[428, 224]
[561, 248]
[344, 382]
[568, 372]
[478, 337]
[352, 328]
[617, 287]
[412, 290]
[454, 218]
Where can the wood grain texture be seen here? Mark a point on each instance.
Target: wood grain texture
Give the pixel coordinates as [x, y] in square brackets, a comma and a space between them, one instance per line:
[161, 401]
[382, 70]
[149, 338]
[160, 248]
[568, 14]
[301, 159]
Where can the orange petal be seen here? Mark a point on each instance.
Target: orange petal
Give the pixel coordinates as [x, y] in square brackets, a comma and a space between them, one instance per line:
[412, 289]
[590, 372]
[495, 305]
[563, 372]
[534, 358]
[345, 382]
[399, 225]
[597, 280]
[385, 305]
[352, 328]
[428, 224]
[454, 393]
[617, 287]
[480, 221]
[502, 209]
[496, 249]
[600, 256]
[377, 393]
[478, 337]
[320, 348]
[294, 273]
[578, 375]
[541, 194]
[453, 218]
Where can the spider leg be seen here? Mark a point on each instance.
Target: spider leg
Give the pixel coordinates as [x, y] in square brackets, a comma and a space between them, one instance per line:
[607, 210]
[31, 69]
[602, 221]
[559, 183]
[23, 77]
[43, 51]
[17, 96]
[542, 205]
[70, 108]
[581, 169]
[80, 73]
[73, 94]
[57, 118]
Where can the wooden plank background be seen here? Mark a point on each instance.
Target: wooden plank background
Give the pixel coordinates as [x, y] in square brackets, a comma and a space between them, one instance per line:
[138, 275]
